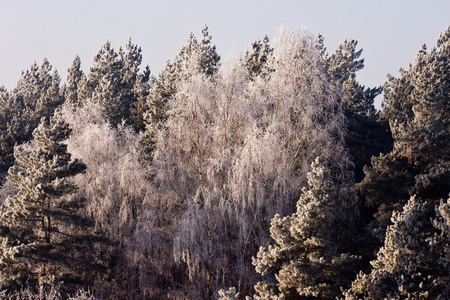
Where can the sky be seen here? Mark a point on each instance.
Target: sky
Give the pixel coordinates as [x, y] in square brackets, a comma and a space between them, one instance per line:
[390, 32]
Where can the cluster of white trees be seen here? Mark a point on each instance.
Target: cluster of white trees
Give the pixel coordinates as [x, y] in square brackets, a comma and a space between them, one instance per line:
[223, 178]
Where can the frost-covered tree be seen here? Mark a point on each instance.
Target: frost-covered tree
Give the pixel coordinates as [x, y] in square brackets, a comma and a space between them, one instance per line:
[39, 89]
[135, 84]
[7, 111]
[207, 57]
[44, 237]
[417, 107]
[75, 77]
[233, 152]
[104, 80]
[37, 95]
[113, 188]
[297, 100]
[115, 182]
[304, 257]
[413, 263]
[115, 82]
[366, 134]
[255, 62]
[207, 61]
[162, 89]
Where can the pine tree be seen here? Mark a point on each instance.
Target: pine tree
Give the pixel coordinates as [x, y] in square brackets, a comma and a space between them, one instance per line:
[255, 61]
[39, 88]
[141, 90]
[207, 62]
[104, 84]
[418, 109]
[116, 82]
[135, 85]
[206, 55]
[6, 114]
[413, 263]
[155, 116]
[367, 135]
[209, 58]
[74, 77]
[37, 95]
[304, 257]
[44, 237]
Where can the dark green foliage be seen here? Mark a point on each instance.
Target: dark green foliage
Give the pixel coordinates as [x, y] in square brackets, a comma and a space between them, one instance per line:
[115, 81]
[417, 107]
[75, 78]
[154, 118]
[367, 135]
[208, 60]
[255, 61]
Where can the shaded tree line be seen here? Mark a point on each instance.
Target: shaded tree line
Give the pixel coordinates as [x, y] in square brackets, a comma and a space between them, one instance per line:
[269, 175]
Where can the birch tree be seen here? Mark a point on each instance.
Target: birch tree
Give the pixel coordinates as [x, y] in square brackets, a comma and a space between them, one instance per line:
[234, 152]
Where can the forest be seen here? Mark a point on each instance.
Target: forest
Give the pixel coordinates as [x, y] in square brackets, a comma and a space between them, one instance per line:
[262, 175]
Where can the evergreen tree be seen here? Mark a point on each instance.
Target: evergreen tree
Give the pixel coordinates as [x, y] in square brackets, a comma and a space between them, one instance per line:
[44, 238]
[255, 61]
[116, 83]
[304, 257]
[207, 62]
[6, 143]
[37, 95]
[418, 109]
[155, 116]
[104, 84]
[135, 85]
[206, 55]
[413, 263]
[74, 77]
[209, 58]
[141, 90]
[367, 135]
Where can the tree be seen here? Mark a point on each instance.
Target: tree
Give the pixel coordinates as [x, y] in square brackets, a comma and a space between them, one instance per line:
[104, 81]
[114, 188]
[135, 84]
[367, 135]
[6, 140]
[44, 236]
[75, 77]
[207, 57]
[418, 109]
[37, 95]
[255, 61]
[304, 257]
[207, 62]
[413, 263]
[232, 153]
[155, 116]
[116, 83]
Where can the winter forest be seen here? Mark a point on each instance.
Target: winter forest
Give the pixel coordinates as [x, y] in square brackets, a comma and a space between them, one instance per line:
[262, 175]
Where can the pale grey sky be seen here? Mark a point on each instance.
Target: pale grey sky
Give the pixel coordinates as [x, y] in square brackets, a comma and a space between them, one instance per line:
[389, 31]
